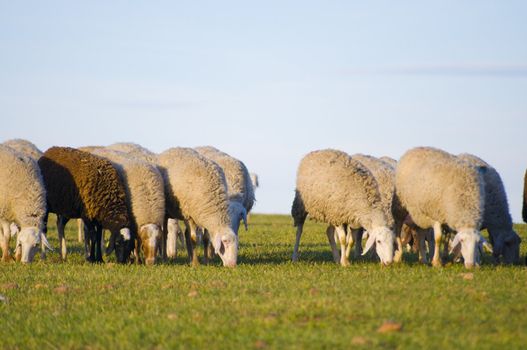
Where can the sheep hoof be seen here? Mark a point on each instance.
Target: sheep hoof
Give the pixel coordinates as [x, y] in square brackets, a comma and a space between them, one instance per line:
[344, 262]
[398, 256]
[437, 263]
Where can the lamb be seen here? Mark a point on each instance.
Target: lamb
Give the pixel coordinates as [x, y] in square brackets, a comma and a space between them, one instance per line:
[333, 187]
[25, 147]
[82, 185]
[145, 197]
[196, 191]
[437, 189]
[497, 219]
[23, 202]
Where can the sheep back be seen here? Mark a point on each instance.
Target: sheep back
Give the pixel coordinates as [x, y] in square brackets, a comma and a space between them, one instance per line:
[135, 150]
[195, 188]
[237, 176]
[82, 185]
[25, 147]
[334, 188]
[497, 213]
[434, 185]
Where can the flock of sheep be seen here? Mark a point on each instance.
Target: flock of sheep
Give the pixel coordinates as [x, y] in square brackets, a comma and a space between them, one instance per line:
[135, 194]
[140, 197]
[428, 194]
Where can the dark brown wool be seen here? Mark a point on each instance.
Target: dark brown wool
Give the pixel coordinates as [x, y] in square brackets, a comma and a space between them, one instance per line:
[81, 185]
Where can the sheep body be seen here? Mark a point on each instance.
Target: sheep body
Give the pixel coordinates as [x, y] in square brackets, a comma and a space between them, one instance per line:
[135, 150]
[496, 219]
[22, 201]
[438, 189]
[334, 188]
[196, 191]
[82, 185]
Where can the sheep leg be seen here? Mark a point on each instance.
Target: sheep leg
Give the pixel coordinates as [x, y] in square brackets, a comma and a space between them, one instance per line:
[188, 242]
[5, 236]
[206, 244]
[297, 242]
[80, 230]
[357, 238]
[171, 237]
[341, 234]
[330, 232]
[350, 242]
[436, 261]
[398, 256]
[98, 239]
[87, 239]
[45, 233]
[193, 237]
[421, 238]
[61, 224]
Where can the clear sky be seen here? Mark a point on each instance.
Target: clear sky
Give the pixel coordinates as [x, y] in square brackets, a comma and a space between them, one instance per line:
[270, 81]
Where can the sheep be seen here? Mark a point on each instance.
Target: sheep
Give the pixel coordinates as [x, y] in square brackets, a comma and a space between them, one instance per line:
[171, 229]
[22, 202]
[437, 189]
[25, 147]
[196, 191]
[82, 185]
[145, 196]
[497, 219]
[333, 187]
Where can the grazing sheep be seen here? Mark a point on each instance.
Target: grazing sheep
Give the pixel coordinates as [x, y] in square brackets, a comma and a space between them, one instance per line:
[145, 194]
[22, 202]
[196, 191]
[82, 185]
[497, 219]
[25, 147]
[438, 189]
[333, 187]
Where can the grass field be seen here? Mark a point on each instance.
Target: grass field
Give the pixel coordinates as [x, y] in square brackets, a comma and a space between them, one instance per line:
[265, 302]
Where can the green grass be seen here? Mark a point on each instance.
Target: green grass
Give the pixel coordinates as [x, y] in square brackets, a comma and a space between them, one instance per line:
[266, 302]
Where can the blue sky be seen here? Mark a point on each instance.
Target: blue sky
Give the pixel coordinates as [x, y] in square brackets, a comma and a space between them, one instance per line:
[270, 81]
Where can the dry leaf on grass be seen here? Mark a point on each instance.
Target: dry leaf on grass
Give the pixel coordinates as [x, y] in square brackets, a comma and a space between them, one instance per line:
[390, 326]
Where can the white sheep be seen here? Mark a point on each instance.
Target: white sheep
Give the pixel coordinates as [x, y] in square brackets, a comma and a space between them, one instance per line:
[145, 197]
[497, 219]
[438, 189]
[334, 188]
[23, 202]
[171, 228]
[196, 191]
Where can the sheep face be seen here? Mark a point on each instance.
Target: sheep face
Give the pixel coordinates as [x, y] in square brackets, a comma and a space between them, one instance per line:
[237, 213]
[469, 242]
[226, 246]
[150, 236]
[384, 240]
[28, 244]
[123, 244]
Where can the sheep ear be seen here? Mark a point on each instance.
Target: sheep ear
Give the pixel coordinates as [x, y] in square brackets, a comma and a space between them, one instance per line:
[44, 240]
[369, 243]
[455, 243]
[244, 218]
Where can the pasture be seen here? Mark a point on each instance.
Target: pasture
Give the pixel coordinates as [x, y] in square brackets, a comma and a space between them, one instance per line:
[265, 302]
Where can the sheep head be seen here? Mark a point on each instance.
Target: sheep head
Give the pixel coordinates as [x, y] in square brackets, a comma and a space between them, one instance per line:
[150, 237]
[28, 244]
[384, 239]
[470, 242]
[225, 245]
